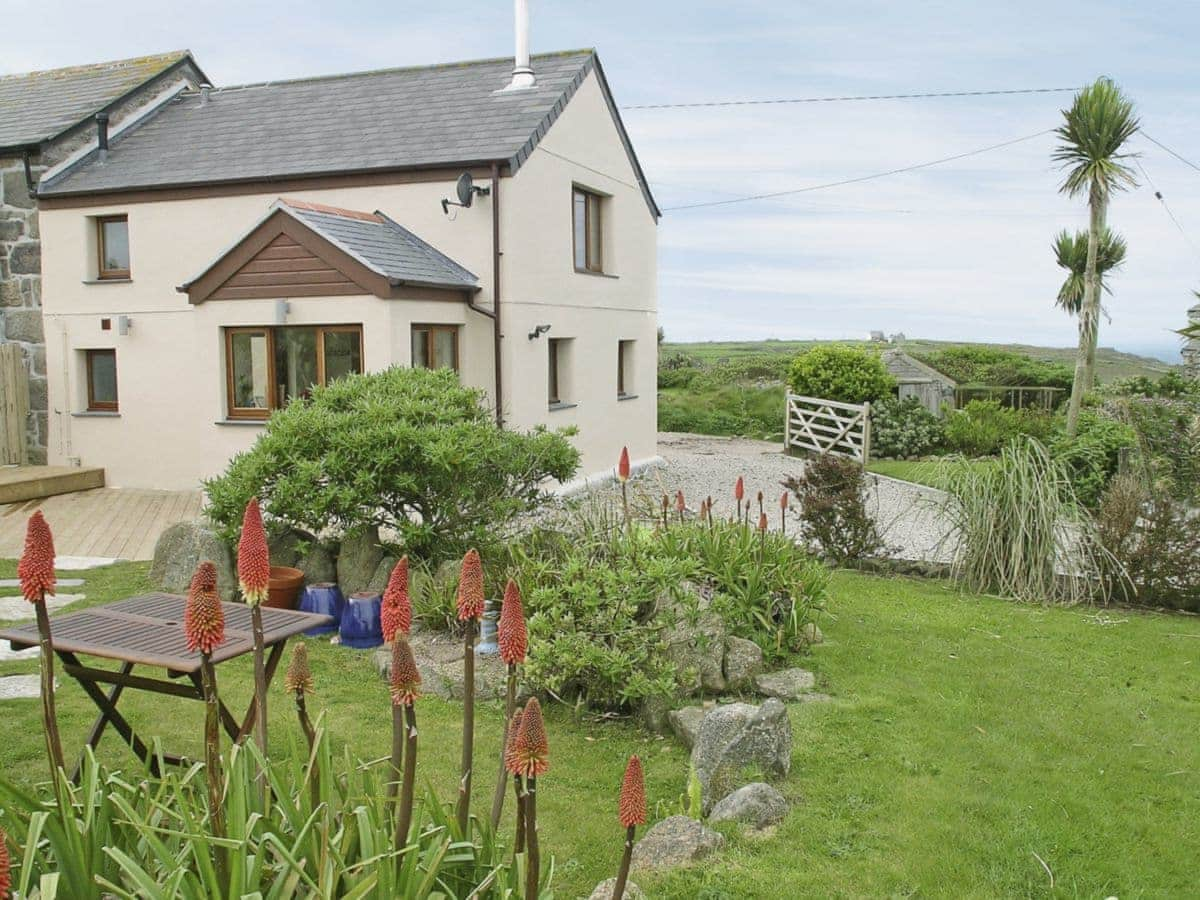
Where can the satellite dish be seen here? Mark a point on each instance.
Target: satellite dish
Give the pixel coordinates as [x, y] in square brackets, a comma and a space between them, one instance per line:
[465, 189]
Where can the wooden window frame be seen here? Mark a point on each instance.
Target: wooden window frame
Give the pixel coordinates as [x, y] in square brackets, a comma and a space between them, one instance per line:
[270, 331]
[554, 363]
[623, 348]
[94, 405]
[593, 203]
[103, 273]
[431, 330]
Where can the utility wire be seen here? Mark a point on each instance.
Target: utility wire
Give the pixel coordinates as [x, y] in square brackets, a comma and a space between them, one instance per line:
[786, 100]
[861, 178]
[1163, 200]
[1186, 162]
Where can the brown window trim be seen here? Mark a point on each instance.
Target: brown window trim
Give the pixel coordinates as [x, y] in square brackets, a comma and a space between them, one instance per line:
[242, 412]
[554, 395]
[94, 405]
[621, 392]
[103, 273]
[592, 200]
[432, 330]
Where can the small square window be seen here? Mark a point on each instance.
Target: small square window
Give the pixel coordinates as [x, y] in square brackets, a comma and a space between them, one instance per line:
[112, 242]
[101, 380]
[435, 347]
[587, 230]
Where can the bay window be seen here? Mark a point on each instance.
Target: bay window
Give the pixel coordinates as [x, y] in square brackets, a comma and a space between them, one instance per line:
[266, 368]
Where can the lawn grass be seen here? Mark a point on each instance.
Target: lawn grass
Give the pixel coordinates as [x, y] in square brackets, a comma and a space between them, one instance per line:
[930, 472]
[966, 735]
[729, 410]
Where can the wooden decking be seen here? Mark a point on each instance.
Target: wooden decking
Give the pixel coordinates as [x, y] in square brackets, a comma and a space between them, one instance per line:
[18, 483]
[118, 523]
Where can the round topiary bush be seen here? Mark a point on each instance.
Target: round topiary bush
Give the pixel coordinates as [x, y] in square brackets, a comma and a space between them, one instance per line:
[845, 374]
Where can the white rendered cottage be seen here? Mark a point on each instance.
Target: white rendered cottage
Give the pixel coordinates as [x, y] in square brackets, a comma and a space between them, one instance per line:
[212, 260]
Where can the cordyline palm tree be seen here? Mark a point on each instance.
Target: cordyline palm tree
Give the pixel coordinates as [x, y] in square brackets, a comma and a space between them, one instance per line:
[1095, 129]
[1070, 252]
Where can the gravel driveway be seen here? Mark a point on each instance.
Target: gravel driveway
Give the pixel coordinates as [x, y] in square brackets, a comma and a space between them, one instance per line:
[703, 466]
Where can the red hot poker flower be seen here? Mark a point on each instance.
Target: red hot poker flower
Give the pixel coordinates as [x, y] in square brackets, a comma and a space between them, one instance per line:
[680, 505]
[513, 636]
[510, 746]
[632, 807]
[298, 679]
[396, 616]
[762, 521]
[470, 587]
[739, 489]
[203, 616]
[36, 568]
[532, 751]
[406, 680]
[5, 875]
[623, 465]
[253, 559]
[783, 500]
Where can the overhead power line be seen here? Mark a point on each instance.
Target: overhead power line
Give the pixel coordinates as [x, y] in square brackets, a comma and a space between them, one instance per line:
[1186, 162]
[786, 100]
[1167, 209]
[860, 178]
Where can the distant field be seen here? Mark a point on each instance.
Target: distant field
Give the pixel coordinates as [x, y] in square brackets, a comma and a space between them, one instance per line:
[1111, 364]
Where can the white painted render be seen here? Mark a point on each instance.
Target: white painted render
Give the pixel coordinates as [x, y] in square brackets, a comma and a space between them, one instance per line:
[171, 430]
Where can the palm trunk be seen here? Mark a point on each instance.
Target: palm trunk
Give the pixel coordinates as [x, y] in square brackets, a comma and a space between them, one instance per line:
[533, 858]
[212, 759]
[626, 858]
[468, 747]
[510, 705]
[49, 713]
[1089, 313]
[404, 819]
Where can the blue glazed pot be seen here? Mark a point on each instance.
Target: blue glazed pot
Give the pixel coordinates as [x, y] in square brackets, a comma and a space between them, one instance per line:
[361, 628]
[325, 599]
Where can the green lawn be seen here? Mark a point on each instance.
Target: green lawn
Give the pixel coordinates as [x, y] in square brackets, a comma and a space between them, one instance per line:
[966, 735]
[927, 472]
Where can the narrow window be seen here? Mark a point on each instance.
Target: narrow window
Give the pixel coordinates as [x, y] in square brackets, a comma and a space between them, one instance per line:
[112, 241]
[435, 347]
[624, 369]
[267, 368]
[588, 243]
[101, 380]
[558, 373]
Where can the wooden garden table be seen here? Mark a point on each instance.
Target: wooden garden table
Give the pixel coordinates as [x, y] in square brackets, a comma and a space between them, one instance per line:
[147, 630]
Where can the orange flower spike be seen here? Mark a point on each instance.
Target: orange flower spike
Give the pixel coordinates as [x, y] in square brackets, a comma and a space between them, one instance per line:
[760, 498]
[739, 489]
[203, 616]
[513, 636]
[396, 616]
[5, 872]
[406, 680]
[253, 559]
[762, 521]
[623, 465]
[36, 568]
[510, 746]
[532, 750]
[298, 678]
[680, 505]
[470, 587]
[632, 806]
[783, 501]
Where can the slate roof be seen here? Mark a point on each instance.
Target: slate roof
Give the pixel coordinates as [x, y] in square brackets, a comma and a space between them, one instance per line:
[377, 242]
[38, 106]
[389, 120]
[905, 368]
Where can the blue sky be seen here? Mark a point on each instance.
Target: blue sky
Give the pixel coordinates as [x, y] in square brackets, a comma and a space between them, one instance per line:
[960, 251]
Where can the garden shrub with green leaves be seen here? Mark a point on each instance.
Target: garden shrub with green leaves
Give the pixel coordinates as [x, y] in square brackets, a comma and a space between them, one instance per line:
[988, 365]
[1093, 456]
[842, 373]
[410, 449]
[904, 428]
[984, 427]
[833, 509]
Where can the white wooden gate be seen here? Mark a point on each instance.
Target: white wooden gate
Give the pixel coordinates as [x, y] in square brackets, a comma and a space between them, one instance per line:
[14, 405]
[827, 426]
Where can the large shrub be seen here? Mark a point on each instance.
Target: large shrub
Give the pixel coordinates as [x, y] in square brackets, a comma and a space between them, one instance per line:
[1168, 439]
[409, 449]
[903, 428]
[833, 509]
[845, 374]
[984, 427]
[1093, 456]
[990, 365]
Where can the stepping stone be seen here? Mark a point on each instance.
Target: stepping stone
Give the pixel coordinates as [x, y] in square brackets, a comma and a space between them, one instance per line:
[15, 609]
[676, 841]
[814, 697]
[756, 805]
[78, 563]
[786, 684]
[8, 654]
[62, 582]
[21, 687]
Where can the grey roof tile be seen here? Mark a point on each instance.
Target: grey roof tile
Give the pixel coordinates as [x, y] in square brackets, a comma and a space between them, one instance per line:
[392, 119]
[37, 106]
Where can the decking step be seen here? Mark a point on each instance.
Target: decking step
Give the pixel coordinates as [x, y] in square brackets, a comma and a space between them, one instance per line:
[20, 483]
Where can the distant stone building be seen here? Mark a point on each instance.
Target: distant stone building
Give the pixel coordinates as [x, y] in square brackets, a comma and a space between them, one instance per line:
[1191, 349]
[46, 118]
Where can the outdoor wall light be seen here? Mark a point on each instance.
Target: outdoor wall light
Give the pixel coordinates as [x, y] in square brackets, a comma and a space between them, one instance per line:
[538, 331]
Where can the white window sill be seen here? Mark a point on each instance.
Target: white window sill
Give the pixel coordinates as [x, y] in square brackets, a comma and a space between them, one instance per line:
[96, 414]
[108, 281]
[621, 397]
[243, 422]
[562, 404]
[579, 271]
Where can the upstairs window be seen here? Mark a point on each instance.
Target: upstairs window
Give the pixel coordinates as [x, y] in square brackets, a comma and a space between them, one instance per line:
[112, 242]
[101, 380]
[267, 368]
[435, 347]
[588, 231]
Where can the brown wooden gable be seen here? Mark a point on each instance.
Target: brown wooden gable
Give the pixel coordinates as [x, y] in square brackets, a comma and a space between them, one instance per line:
[281, 259]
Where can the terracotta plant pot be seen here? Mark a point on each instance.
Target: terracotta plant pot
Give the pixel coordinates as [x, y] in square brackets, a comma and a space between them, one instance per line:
[284, 587]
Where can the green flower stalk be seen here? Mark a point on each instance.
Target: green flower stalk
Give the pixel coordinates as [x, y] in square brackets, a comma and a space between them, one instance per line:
[510, 766]
[513, 637]
[254, 579]
[298, 681]
[405, 684]
[531, 758]
[470, 609]
[36, 574]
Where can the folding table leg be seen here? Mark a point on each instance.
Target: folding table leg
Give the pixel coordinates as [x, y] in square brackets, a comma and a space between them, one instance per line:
[272, 663]
[110, 715]
[102, 720]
